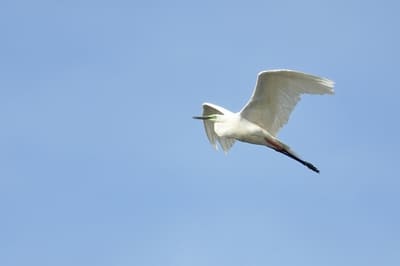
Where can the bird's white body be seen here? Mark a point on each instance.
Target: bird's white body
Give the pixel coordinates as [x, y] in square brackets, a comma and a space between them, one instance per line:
[275, 96]
[235, 126]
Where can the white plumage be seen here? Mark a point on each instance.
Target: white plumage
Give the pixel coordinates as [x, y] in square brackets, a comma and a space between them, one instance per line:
[275, 95]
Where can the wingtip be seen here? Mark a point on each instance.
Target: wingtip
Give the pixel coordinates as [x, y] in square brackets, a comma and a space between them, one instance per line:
[327, 84]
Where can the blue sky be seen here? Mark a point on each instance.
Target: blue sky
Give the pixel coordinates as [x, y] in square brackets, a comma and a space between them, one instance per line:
[101, 163]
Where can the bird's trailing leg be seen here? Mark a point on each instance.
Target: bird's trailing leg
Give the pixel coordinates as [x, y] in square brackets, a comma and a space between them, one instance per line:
[309, 165]
[280, 148]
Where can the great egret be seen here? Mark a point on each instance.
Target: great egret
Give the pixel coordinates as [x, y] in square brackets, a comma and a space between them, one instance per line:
[275, 96]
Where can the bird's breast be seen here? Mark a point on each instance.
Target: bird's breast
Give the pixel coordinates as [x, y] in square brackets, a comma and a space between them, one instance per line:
[240, 129]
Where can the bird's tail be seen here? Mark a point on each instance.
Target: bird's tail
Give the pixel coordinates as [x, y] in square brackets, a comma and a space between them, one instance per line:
[288, 152]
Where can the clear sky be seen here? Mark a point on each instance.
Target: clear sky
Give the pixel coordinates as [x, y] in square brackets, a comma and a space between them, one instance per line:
[102, 164]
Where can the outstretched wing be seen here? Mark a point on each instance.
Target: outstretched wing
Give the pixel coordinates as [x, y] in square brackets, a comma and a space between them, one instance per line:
[277, 93]
[209, 109]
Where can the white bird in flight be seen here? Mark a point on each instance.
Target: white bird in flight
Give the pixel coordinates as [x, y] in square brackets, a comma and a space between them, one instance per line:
[274, 98]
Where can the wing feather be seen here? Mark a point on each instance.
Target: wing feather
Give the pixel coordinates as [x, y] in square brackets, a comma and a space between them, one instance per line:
[276, 94]
[226, 143]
